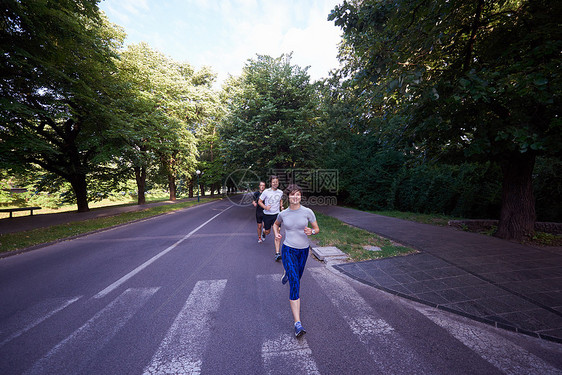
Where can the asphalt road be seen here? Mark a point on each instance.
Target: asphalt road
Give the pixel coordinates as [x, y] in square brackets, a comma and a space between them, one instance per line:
[192, 292]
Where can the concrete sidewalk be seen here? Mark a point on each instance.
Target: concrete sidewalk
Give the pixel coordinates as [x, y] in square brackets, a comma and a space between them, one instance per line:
[498, 282]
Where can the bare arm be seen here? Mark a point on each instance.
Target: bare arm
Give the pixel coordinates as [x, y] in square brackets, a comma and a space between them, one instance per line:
[308, 231]
[262, 205]
[277, 230]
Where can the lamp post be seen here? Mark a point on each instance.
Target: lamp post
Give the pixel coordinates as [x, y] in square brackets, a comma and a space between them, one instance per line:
[198, 186]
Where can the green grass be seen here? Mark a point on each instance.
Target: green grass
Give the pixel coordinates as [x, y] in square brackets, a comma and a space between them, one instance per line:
[434, 219]
[351, 240]
[116, 201]
[21, 240]
[539, 238]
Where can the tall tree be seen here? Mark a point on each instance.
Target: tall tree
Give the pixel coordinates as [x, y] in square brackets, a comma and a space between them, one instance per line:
[56, 88]
[169, 100]
[272, 116]
[468, 79]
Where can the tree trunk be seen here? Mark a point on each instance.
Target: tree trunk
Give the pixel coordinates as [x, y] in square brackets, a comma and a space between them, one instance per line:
[191, 189]
[517, 218]
[140, 176]
[202, 189]
[172, 187]
[80, 188]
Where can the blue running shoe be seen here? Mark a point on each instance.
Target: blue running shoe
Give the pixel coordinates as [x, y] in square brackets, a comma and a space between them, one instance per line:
[285, 278]
[299, 331]
[277, 257]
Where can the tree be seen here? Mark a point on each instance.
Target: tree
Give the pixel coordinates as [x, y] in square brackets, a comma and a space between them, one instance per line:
[163, 110]
[56, 89]
[271, 119]
[472, 80]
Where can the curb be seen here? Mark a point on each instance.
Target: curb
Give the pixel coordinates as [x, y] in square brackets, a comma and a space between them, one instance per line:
[457, 312]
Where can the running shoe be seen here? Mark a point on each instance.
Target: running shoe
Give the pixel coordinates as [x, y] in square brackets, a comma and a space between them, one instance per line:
[260, 240]
[277, 257]
[299, 331]
[285, 278]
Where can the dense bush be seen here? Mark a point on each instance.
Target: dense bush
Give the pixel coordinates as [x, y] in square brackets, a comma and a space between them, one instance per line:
[547, 178]
[467, 190]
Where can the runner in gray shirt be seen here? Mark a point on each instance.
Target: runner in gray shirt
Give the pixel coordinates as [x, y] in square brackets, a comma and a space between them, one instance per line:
[295, 247]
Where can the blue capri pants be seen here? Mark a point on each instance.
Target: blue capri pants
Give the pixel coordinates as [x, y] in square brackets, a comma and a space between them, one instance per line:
[294, 261]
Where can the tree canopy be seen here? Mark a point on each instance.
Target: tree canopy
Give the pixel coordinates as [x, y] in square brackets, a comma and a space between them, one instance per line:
[57, 83]
[476, 79]
[271, 119]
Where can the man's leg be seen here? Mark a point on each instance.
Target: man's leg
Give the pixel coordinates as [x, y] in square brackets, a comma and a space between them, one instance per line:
[259, 231]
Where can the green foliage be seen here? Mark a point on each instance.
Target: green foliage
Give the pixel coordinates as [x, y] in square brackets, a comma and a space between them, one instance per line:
[168, 102]
[271, 120]
[56, 89]
[548, 189]
[459, 81]
[467, 190]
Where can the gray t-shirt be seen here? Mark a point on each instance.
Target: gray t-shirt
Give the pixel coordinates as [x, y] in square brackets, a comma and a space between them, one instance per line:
[294, 222]
[271, 198]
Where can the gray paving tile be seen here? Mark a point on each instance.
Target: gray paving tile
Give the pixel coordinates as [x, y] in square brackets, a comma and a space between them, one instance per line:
[436, 284]
[421, 275]
[417, 288]
[433, 297]
[474, 307]
[403, 278]
[534, 320]
[482, 291]
[453, 296]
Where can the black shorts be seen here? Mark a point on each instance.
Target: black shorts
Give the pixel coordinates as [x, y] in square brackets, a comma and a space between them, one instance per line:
[268, 221]
[259, 216]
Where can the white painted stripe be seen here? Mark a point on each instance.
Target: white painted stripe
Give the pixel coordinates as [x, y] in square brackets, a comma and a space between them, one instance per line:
[288, 354]
[54, 305]
[182, 349]
[116, 284]
[81, 346]
[503, 354]
[380, 339]
[358, 314]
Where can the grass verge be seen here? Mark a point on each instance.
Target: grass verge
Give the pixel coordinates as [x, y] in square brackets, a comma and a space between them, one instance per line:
[351, 240]
[539, 238]
[22, 240]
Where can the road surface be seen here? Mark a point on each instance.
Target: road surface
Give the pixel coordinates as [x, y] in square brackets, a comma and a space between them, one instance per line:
[192, 292]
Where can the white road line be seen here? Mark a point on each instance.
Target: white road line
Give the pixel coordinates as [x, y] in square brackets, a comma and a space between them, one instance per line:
[182, 349]
[116, 284]
[82, 345]
[503, 354]
[380, 339]
[289, 354]
[54, 305]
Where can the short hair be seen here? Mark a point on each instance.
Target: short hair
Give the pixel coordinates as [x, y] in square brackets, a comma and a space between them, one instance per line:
[293, 188]
[273, 177]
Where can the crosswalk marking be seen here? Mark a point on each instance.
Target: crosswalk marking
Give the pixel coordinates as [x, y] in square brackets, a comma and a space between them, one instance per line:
[122, 280]
[81, 346]
[506, 356]
[288, 354]
[37, 314]
[183, 348]
[379, 338]
[184, 345]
